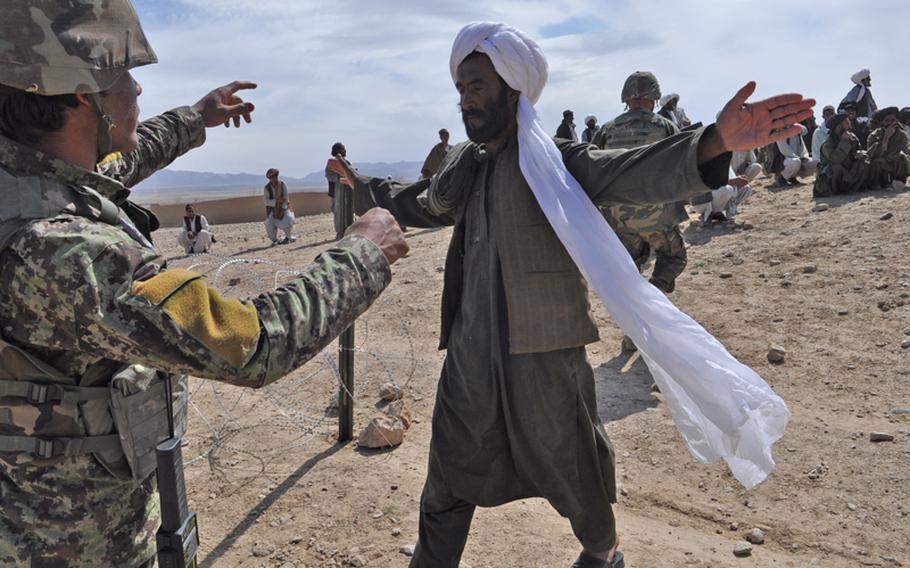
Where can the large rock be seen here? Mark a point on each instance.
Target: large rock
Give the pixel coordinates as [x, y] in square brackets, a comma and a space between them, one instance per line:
[382, 432]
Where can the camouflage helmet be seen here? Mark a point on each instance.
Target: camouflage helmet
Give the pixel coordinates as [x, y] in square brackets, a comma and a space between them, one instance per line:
[641, 85]
[51, 47]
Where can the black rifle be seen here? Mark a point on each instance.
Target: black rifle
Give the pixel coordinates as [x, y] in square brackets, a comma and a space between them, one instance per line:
[178, 536]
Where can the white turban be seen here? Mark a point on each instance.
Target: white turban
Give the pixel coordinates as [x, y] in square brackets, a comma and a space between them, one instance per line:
[858, 77]
[667, 98]
[722, 408]
[589, 118]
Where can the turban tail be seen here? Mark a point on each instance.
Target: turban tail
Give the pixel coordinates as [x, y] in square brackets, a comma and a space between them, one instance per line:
[722, 408]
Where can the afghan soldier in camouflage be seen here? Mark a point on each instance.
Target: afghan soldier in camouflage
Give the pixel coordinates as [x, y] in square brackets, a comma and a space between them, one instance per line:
[91, 323]
[643, 228]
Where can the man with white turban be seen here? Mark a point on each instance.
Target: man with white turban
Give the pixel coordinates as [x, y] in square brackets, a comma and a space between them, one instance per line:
[515, 413]
[670, 109]
[861, 95]
[587, 135]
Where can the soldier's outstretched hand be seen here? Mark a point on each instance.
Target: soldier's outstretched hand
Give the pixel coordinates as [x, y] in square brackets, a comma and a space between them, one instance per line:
[222, 105]
[380, 226]
[744, 126]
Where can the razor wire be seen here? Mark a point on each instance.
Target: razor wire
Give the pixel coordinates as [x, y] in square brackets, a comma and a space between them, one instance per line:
[294, 410]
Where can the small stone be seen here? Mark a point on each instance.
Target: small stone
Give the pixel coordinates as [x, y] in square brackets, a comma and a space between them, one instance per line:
[742, 549]
[389, 392]
[851, 506]
[886, 216]
[296, 539]
[774, 262]
[396, 531]
[756, 536]
[821, 207]
[901, 410]
[407, 550]
[880, 437]
[777, 354]
[382, 432]
[734, 526]
[905, 344]
[907, 331]
[809, 269]
[747, 226]
[843, 312]
[399, 409]
[263, 549]
[357, 561]
[725, 275]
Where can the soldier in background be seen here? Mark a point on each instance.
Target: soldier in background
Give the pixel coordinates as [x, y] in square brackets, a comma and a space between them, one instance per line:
[91, 323]
[653, 227]
[436, 156]
[843, 167]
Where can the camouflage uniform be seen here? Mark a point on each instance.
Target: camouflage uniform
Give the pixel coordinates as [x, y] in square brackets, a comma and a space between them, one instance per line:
[644, 228]
[87, 300]
[843, 167]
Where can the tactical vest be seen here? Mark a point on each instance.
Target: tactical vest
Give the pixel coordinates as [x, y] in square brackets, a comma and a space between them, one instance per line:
[631, 130]
[46, 416]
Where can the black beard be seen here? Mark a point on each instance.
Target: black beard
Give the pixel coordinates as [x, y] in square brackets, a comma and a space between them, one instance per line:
[495, 117]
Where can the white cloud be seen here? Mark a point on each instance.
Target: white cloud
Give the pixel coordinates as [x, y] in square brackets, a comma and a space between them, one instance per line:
[375, 74]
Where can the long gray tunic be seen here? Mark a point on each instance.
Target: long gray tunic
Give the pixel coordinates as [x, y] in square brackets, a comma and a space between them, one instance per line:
[507, 426]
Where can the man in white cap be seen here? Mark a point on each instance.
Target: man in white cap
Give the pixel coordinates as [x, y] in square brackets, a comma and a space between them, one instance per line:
[515, 413]
[587, 135]
[670, 109]
[861, 95]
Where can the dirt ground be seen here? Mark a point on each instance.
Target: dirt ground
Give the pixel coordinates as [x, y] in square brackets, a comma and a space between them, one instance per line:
[272, 488]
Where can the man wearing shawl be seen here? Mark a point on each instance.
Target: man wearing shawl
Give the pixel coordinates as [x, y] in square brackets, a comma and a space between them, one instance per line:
[860, 95]
[888, 161]
[843, 167]
[515, 413]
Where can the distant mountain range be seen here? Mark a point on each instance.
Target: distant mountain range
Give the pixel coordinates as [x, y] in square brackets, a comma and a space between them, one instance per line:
[170, 181]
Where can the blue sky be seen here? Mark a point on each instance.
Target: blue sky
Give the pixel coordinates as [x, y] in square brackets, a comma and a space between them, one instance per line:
[374, 74]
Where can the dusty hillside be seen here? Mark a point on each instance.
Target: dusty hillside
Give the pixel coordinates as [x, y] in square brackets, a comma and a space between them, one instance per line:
[831, 287]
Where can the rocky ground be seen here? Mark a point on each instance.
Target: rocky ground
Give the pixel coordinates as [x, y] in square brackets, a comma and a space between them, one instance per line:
[830, 287]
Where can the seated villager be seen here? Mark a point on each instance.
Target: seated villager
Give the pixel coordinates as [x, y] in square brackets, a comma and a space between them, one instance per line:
[794, 161]
[887, 153]
[843, 167]
[722, 204]
[196, 236]
[746, 164]
[278, 212]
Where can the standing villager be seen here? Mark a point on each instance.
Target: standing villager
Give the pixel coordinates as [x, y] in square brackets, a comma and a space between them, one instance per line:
[567, 127]
[515, 413]
[795, 160]
[92, 325]
[860, 96]
[843, 167]
[670, 109]
[888, 152]
[655, 227]
[278, 211]
[587, 135]
[436, 156]
[339, 186]
[821, 133]
[195, 236]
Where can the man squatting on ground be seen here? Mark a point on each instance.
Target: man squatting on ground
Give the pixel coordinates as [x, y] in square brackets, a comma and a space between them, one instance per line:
[515, 414]
[89, 312]
[195, 234]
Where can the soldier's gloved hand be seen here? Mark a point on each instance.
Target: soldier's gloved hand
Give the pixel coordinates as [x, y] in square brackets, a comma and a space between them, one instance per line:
[222, 105]
[380, 226]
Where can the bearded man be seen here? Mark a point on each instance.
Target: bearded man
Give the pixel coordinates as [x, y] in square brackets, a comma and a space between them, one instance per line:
[516, 414]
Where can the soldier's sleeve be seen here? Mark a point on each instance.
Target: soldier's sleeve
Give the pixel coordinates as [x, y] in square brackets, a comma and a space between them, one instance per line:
[663, 172]
[162, 139]
[103, 294]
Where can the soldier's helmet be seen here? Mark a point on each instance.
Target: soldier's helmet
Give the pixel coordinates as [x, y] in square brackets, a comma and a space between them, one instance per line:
[641, 85]
[55, 47]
